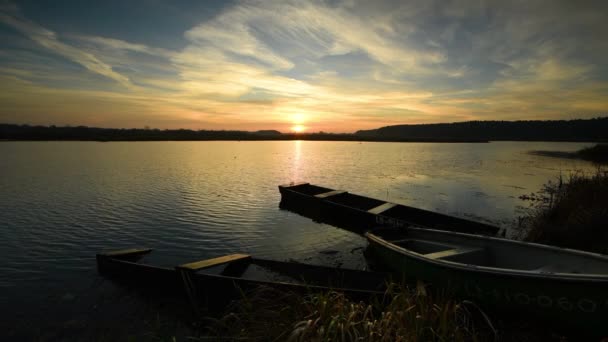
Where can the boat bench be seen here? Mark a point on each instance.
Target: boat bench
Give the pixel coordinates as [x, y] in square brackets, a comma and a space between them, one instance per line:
[382, 208]
[462, 254]
[186, 271]
[330, 193]
[207, 263]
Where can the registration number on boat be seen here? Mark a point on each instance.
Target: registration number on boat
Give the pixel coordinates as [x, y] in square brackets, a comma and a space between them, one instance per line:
[564, 303]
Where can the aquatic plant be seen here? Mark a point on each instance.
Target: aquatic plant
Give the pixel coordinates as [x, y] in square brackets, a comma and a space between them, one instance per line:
[575, 214]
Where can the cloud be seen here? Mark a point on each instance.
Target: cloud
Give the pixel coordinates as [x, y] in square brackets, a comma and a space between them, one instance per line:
[338, 66]
[121, 45]
[48, 39]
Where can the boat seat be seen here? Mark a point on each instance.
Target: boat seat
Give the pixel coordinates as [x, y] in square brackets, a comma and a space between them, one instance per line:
[456, 254]
[381, 208]
[207, 263]
[330, 193]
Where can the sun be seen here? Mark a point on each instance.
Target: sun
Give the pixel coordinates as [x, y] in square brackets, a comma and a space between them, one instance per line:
[298, 128]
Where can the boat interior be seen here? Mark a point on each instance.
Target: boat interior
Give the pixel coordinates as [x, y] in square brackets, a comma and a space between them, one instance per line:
[262, 270]
[356, 201]
[133, 262]
[494, 253]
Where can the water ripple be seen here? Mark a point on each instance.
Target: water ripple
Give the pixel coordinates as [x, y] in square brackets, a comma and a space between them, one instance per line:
[60, 203]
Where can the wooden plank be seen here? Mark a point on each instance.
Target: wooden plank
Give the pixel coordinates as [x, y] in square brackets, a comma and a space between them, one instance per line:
[452, 252]
[126, 252]
[199, 265]
[330, 193]
[381, 208]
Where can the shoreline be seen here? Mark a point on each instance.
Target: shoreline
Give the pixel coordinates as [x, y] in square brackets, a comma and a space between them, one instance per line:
[262, 139]
[596, 154]
[555, 154]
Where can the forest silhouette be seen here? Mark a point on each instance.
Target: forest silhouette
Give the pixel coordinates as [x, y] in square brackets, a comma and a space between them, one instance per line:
[470, 131]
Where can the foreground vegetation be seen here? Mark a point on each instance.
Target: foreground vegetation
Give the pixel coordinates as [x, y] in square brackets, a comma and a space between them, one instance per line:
[402, 314]
[574, 213]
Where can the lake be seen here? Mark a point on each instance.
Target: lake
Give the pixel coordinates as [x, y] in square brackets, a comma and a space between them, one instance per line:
[62, 202]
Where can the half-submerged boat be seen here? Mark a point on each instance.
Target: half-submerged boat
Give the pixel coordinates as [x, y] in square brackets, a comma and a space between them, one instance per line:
[227, 277]
[358, 213]
[565, 286]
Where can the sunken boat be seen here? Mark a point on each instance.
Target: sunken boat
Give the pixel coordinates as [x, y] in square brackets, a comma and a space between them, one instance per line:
[358, 213]
[215, 281]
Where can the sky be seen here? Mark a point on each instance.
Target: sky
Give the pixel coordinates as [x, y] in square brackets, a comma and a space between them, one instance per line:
[333, 66]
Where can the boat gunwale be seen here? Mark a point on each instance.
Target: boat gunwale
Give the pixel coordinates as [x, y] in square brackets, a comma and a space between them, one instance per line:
[293, 185]
[496, 270]
[115, 261]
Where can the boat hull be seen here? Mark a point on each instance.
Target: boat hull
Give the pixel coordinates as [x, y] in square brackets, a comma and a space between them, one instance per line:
[214, 290]
[581, 305]
[359, 214]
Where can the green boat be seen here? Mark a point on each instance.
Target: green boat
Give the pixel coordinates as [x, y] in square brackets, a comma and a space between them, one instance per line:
[564, 286]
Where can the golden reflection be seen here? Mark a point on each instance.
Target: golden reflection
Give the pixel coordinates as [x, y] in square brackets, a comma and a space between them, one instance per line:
[297, 154]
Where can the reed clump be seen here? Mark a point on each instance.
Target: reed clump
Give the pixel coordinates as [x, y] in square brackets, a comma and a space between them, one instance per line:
[401, 314]
[574, 215]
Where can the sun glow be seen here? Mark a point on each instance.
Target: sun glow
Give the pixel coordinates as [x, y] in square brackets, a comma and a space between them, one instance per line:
[298, 118]
[298, 128]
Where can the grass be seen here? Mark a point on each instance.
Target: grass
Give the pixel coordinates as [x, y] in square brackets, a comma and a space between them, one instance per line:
[402, 314]
[574, 213]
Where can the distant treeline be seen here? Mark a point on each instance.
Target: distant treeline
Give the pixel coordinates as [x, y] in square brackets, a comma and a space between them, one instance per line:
[471, 131]
[83, 133]
[560, 130]
[27, 132]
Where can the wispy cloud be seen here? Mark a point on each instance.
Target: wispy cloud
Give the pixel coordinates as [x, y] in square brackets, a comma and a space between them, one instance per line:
[338, 66]
[49, 40]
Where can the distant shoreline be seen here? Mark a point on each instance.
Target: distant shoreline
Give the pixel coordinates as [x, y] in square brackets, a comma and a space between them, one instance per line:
[261, 139]
[583, 130]
[555, 154]
[596, 154]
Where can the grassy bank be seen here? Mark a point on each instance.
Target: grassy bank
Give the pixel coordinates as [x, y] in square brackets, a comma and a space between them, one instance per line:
[402, 314]
[574, 213]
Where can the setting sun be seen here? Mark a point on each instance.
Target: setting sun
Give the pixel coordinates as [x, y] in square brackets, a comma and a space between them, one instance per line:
[298, 128]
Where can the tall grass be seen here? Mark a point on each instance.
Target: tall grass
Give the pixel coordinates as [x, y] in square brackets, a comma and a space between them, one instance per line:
[402, 314]
[575, 214]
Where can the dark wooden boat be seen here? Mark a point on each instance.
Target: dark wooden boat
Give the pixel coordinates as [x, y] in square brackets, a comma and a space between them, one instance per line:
[564, 286]
[217, 279]
[359, 213]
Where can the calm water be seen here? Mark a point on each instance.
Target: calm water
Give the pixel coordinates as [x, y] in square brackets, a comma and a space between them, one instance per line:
[61, 202]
